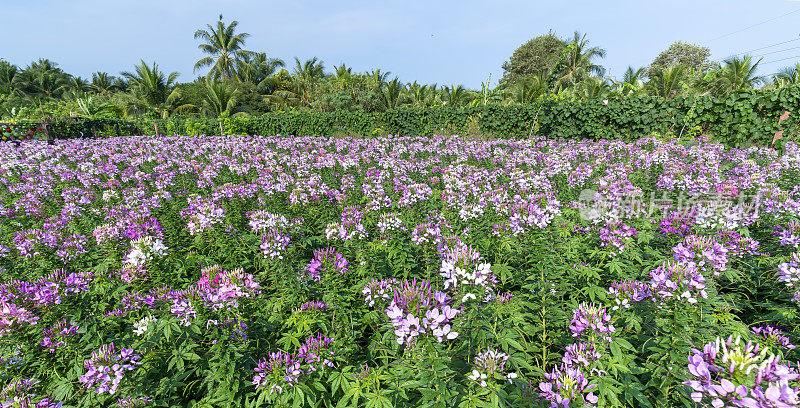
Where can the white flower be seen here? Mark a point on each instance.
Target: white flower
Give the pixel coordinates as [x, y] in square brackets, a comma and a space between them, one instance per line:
[468, 296]
[140, 327]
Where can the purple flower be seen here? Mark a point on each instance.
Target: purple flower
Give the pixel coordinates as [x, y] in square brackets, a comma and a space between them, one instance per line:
[326, 263]
[627, 292]
[567, 387]
[592, 320]
[107, 367]
[677, 280]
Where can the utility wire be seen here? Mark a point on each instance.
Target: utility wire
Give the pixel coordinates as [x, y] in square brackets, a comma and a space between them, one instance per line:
[779, 60]
[768, 46]
[775, 52]
[755, 25]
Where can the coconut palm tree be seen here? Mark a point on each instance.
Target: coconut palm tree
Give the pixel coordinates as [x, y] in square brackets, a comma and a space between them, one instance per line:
[527, 90]
[390, 95]
[578, 62]
[736, 74]
[454, 95]
[632, 81]
[595, 88]
[668, 82]
[257, 68]
[7, 73]
[220, 98]
[306, 75]
[153, 89]
[788, 76]
[77, 87]
[103, 83]
[42, 80]
[224, 46]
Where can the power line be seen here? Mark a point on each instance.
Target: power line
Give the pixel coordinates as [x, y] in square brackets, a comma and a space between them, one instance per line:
[775, 52]
[755, 25]
[779, 60]
[769, 46]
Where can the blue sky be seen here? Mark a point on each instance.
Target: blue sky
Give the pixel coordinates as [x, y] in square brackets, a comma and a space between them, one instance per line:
[444, 42]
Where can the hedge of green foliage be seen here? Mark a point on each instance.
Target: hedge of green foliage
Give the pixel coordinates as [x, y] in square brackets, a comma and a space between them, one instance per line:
[743, 118]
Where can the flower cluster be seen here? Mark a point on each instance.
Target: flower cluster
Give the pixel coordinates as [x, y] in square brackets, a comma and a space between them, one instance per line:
[788, 234]
[567, 387]
[107, 367]
[313, 305]
[140, 327]
[737, 245]
[616, 235]
[202, 213]
[676, 223]
[274, 243]
[703, 251]
[55, 335]
[220, 289]
[281, 369]
[19, 394]
[789, 272]
[417, 309]
[464, 273]
[626, 292]
[144, 249]
[350, 226]
[737, 374]
[773, 335]
[326, 263]
[491, 364]
[378, 290]
[12, 316]
[593, 320]
[678, 280]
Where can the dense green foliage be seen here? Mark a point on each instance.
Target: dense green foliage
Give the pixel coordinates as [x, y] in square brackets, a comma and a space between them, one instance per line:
[742, 118]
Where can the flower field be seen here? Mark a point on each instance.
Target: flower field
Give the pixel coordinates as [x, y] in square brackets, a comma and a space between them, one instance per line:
[398, 272]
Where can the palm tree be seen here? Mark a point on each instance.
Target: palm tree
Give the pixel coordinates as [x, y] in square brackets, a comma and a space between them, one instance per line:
[77, 87]
[153, 89]
[736, 74]
[103, 83]
[632, 82]
[668, 82]
[788, 76]
[595, 88]
[528, 89]
[42, 80]
[306, 76]
[224, 46]
[455, 95]
[578, 62]
[220, 98]
[390, 95]
[7, 73]
[257, 68]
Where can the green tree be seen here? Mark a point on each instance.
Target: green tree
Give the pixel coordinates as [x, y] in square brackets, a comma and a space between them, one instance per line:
[538, 56]
[257, 69]
[224, 46]
[103, 83]
[455, 95]
[153, 90]
[7, 73]
[220, 98]
[306, 75]
[786, 76]
[390, 95]
[578, 63]
[632, 81]
[42, 80]
[527, 90]
[668, 82]
[694, 57]
[736, 74]
[595, 88]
